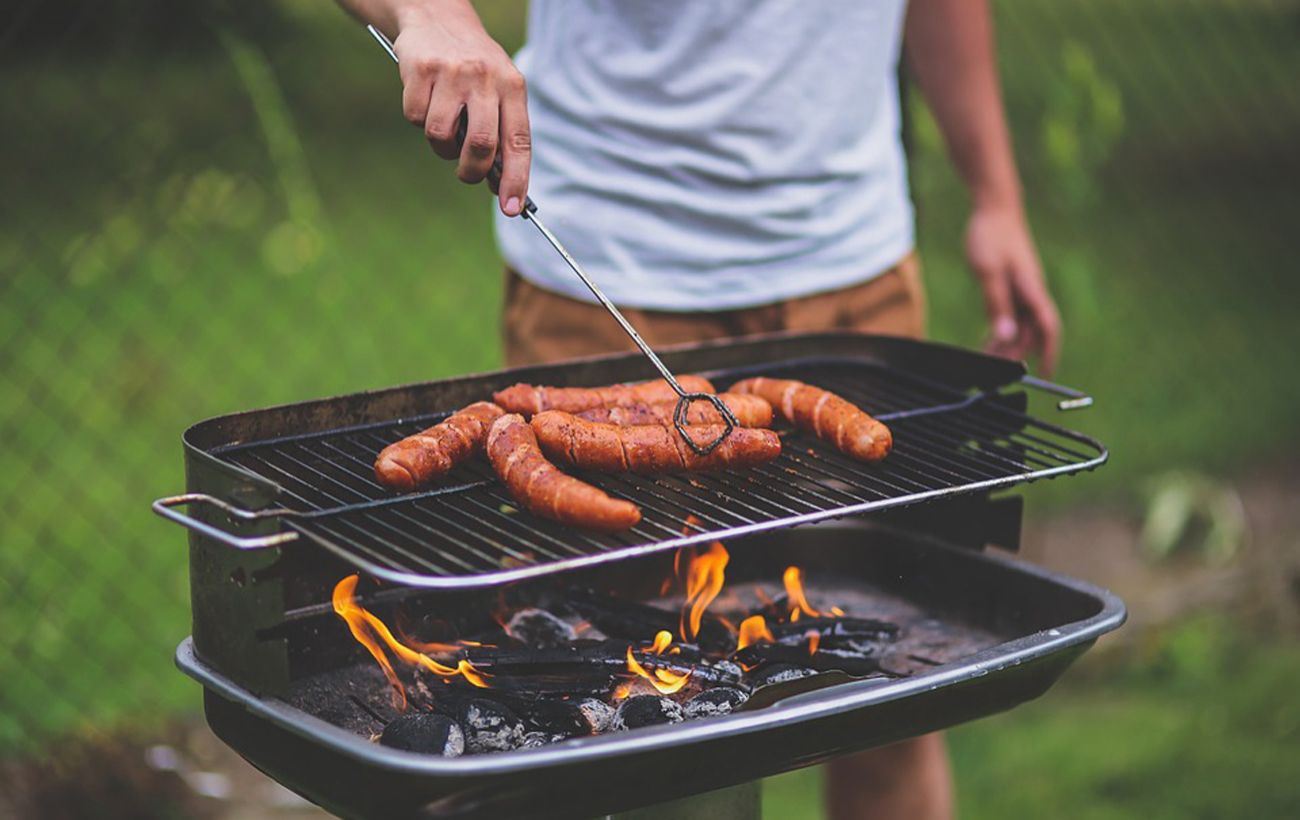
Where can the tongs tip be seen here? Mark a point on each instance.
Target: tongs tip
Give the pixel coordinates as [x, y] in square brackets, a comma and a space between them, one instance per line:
[681, 415]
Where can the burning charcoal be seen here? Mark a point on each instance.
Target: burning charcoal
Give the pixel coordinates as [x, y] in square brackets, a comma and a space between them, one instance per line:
[424, 732]
[646, 710]
[861, 635]
[720, 700]
[823, 660]
[540, 629]
[591, 658]
[598, 714]
[778, 673]
[490, 727]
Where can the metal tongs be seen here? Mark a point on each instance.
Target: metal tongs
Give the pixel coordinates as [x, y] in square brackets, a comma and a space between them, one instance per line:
[529, 213]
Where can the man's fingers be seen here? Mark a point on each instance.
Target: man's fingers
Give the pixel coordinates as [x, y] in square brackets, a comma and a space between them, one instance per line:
[516, 148]
[444, 116]
[1040, 313]
[481, 134]
[415, 98]
[418, 75]
[1000, 307]
[1048, 326]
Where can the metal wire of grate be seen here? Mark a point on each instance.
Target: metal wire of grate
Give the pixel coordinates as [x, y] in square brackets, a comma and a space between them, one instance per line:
[468, 532]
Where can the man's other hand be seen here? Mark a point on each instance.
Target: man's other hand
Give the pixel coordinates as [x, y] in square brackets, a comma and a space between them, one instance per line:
[1022, 316]
[449, 64]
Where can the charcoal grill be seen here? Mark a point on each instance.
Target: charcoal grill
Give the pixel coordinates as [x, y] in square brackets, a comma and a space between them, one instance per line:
[284, 504]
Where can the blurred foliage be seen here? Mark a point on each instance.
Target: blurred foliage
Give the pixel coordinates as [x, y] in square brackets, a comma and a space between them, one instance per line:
[93, 29]
[1082, 121]
[235, 218]
[1190, 510]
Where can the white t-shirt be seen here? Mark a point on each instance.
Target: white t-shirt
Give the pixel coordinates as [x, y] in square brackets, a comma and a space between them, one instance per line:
[713, 154]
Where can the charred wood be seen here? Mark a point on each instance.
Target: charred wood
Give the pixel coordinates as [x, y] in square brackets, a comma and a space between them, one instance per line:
[634, 621]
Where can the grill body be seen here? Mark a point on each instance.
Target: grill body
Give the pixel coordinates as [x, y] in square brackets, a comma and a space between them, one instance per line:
[262, 621]
[1043, 622]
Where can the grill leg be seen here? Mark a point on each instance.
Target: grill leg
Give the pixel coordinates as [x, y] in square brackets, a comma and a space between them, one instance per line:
[743, 802]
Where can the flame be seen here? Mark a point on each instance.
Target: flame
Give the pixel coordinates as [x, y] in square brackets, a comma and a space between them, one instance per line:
[662, 640]
[663, 680]
[814, 640]
[622, 691]
[752, 630]
[837, 612]
[705, 575]
[793, 580]
[365, 626]
[347, 609]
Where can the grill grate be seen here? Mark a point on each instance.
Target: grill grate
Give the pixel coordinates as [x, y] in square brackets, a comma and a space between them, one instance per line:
[467, 531]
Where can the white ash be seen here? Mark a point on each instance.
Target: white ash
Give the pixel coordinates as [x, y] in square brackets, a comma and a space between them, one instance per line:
[540, 629]
[491, 727]
[730, 669]
[598, 714]
[534, 740]
[646, 710]
[720, 700]
[780, 673]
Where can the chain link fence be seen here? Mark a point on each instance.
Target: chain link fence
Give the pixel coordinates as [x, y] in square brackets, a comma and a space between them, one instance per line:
[226, 211]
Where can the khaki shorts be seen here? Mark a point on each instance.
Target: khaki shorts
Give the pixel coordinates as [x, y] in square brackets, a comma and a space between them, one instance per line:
[541, 326]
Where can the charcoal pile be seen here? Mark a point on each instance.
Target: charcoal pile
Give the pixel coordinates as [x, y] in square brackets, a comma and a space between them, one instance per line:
[590, 663]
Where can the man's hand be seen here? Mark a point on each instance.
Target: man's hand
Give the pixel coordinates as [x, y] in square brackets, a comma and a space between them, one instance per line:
[950, 43]
[1022, 316]
[450, 64]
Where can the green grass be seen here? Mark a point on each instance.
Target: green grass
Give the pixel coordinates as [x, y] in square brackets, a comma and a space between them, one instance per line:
[158, 267]
[1204, 723]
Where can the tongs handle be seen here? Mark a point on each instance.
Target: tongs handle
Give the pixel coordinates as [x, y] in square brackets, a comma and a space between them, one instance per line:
[1074, 399]
[529, 212]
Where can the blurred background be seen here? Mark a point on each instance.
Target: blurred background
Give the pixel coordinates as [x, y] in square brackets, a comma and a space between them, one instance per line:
[213, 206]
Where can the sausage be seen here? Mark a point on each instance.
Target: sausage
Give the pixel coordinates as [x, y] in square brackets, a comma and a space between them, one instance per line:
[648, 448]
[750, 411]
[542, 489]
[833, 419]
[529, 399]
[432, 453]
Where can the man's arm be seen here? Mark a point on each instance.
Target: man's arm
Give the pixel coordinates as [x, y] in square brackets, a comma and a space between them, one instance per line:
[449, 63]
[950, 46]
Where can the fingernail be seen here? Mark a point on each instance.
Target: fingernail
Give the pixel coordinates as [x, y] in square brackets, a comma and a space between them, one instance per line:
[512, 205]
[1004, 330]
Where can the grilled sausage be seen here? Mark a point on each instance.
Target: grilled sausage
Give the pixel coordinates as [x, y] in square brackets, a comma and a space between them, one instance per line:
[432, 453]
[542, 489]
[832, 418]
[750, 411]
[529, 399]
[649, 448]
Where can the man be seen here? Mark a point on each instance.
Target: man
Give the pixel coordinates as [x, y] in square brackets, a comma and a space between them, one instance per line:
[721, 168]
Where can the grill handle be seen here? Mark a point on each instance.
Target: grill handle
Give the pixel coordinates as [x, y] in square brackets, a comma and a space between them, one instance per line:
[1074, 399]
[166, 508]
